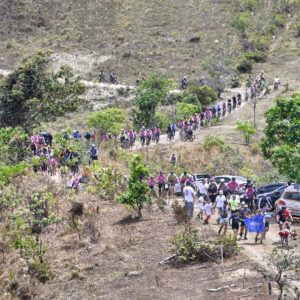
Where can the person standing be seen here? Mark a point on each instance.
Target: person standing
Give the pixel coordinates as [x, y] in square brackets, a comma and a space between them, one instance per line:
[234, 202]
[189, 198]
[245, 212]
[161, 179]
[212, 190]
[208, 210]
[219, 204]
[224, 217]
[202, 187]
[235, 219]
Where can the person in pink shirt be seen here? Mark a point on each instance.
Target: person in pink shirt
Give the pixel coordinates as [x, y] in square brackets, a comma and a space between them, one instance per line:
[105, 137]
[161, 179]
[157, 134]
[207, 114]
[232, 186]
[148, 136]
[151, 183]
[143, 136]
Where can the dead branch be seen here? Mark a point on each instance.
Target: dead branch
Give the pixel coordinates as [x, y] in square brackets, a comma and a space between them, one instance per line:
[221, 288]
[167, 259]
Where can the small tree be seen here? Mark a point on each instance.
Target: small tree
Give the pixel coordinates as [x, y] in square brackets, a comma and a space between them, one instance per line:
[247, 129]
[204, 94]
[136, 195]
[281, 144]
[149, 94]
[111, 119]
[184, 110]
[281, 263]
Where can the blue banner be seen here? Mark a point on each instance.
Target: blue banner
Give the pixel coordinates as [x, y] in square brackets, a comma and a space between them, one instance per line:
[257, 223]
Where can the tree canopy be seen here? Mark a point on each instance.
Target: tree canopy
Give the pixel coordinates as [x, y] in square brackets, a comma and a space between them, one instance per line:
[108, 120]
[149, 94]
[282, 142]
[32, 94]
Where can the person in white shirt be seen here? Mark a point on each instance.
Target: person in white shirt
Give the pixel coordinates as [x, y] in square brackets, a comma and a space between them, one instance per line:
[219, 203]
[202, 187]
[208, 210]
[201, 206]
[189, 198]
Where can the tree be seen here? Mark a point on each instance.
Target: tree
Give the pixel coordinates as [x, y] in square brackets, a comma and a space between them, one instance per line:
[247, 129]
[204, 94]
[136, 195]
[282, 142]
[184, 110]
[31, 94]
[149, 94]
[280, 265]
[108, 120]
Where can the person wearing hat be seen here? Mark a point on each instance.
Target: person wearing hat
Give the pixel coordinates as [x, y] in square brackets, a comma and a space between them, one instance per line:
[220, 204]
[223, 187]
[189, 198]
[283, 215]
[245, 212]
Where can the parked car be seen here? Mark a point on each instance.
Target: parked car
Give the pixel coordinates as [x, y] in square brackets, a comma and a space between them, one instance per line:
[270, 187]
[240, 180]
[272, 196]
[200, 177]
[291, 199]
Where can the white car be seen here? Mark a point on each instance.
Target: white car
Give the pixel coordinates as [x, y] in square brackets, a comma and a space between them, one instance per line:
[291, 199]
[240, 180]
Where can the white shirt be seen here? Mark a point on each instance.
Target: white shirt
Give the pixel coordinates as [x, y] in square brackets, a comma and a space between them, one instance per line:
[202, 188]
[201, 203]
[188, 192]
[276, 80]
[220, 201]
[207, 208]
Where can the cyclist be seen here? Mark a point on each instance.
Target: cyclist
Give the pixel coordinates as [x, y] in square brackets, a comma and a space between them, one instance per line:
[223, 109]
[219, 111]
[190, 131]
[151, 183]
[214, 112]
[87, 136]
[173, 159]
[161, 179]
[232, 186]
[239, 99]
[249, 195]
[173, 129]
[276, 83]
[169, 131]
[184, 83]
[233, 102]
[283, 216]
[202, 81]
[122, 137]
[94, 153]
[229, 105]
[143, 135]
[207, 114]
[101, 76]
[172, 179]
[148, 137]
[112, 78]
[183, 178]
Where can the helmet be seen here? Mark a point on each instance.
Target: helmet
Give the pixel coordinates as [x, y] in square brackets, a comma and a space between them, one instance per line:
[160, 172]
[184, 172]
[212, 180]
[188, 182]
[233, 178]
[222, 180]
[93, 145]
[248, 180]
[172, 172]
[283, 207]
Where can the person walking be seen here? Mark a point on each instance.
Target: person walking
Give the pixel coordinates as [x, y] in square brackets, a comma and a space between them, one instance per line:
[224, 217]
[189, 198]
[219, 204]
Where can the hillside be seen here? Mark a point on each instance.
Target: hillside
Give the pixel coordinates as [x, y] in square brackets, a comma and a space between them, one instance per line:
[176, 38]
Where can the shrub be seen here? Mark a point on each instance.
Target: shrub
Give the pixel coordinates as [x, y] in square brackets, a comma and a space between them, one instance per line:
[212, 141]
[249, 5]
[260, 56]
[247, 129]
[191, 99]
[184, 110]
[187, 247]
[263, 43]
[241, 21]
[245, 65]
[279, 20]
[161, 120]
[42, 271]
[204, 94]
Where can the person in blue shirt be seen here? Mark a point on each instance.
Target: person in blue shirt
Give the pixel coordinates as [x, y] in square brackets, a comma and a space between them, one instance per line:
[173, 128]
[94, 152]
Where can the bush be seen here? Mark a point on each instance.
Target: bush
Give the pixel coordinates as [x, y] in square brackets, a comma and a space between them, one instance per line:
[191, 99]
[260, 56]
[212, 141]
[263, 43]
[42, 271]
[241, 21]
[279, 20]
[161, 121]
[204, 94]
[245, 65]
[184, 110]
[249, 5]
[187, 247]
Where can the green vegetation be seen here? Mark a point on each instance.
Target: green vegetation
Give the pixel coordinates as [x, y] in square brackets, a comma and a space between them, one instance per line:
[136, 196]
[188, 246]
[108, 120]
[245, 65]
[184, 110]
[281, 144]
[31, 94]
[247, 129]
[242, 21]
[150, 93]
[204, 94]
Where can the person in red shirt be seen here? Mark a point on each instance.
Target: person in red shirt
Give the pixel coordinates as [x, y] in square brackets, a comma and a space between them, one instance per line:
[283, 215]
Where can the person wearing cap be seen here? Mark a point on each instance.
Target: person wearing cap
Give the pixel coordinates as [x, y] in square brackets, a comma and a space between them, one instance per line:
[224, 217]
[189, 198]
[232, 186]
[212, 190]
[245, 212]
[283, 215]
[223, 187]
[161, 179]
[219, 204]
[94, 152]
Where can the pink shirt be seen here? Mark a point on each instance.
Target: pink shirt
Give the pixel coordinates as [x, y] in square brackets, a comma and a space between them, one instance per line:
[151, 181]
[142, 133]
[161, 178]
[232, 186]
